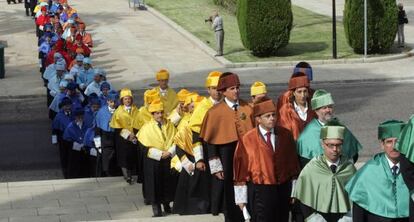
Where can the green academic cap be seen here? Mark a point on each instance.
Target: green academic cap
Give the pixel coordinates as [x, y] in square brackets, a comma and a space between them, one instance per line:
[390, 128]
[333, 130]
[405, 141]
[321, 98]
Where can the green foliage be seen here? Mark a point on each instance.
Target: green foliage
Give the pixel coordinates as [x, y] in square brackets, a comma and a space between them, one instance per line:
[382, 24]
[264, 25]
[230, 5]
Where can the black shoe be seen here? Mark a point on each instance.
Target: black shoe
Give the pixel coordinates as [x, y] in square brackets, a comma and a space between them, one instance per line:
[167, 209]
[156, 210]
[147, 202]
[130, 180]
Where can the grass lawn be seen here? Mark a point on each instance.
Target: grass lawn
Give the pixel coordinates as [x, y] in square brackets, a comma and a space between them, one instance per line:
[311, 36]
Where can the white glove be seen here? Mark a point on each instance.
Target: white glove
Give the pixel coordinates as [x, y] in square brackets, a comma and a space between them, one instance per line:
[54, 139]
[97, 141]
[93, 152]
[77, 146]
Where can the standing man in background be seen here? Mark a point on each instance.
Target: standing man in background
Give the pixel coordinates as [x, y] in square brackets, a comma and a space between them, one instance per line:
[219, 31]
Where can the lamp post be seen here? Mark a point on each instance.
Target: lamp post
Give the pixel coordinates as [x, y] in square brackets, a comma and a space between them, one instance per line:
[365, 29]
[334, 53]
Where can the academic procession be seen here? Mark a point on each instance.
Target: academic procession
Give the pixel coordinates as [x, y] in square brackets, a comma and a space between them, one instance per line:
[267, 159]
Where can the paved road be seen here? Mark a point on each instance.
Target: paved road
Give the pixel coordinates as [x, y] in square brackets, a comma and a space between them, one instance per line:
[26, 153]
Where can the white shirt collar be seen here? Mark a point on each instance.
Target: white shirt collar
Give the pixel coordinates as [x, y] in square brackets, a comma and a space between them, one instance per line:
[230, 103]
[213, 101]
[391, 164]
[302, 114]
[263, 131]
[111, 110]
[330, 163]
[320, 122]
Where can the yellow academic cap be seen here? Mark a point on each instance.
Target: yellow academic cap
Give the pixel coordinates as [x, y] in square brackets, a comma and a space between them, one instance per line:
[213, 78]
[163, 74]
[182, 95]
[125, 92]
[193, 98]
[258, 88]
[156, 106]
[151, 95]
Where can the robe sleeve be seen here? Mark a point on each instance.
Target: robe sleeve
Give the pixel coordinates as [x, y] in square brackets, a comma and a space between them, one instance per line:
[240, 165]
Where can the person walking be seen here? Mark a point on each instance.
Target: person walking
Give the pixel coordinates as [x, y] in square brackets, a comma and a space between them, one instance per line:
[402, 20]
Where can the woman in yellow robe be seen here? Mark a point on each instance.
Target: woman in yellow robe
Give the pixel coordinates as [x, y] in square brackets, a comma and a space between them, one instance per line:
[123, 121]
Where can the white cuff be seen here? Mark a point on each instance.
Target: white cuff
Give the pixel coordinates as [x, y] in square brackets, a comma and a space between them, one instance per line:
[172, 150]
[97, 141]
[41, 27]
[198, 153]
[186, 163]
[53, 93]
[93, 152]
[175, 118]
[125, 133]
[54, 139]
[240, 194]
[215, 165]
[293, 188]
[77, 146]
[154, 154]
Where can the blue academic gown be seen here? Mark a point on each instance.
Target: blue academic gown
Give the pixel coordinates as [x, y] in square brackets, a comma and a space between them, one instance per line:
[89, 117]
[85, 77]
[59, 125]
[78, 160]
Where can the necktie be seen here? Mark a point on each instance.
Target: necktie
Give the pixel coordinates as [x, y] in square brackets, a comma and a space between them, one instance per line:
[160, 125]
[333, 168]
[268, 140]
[394, 170]
[235, 107]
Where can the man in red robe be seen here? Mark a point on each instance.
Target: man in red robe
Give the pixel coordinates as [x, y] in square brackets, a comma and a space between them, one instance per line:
[265, 165]
[58, 47]
[86, 37]
[80, 45]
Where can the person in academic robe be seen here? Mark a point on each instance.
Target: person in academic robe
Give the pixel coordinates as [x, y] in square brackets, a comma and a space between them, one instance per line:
[86, 74]
[168, 95]
[295, 113]
[94, 104]
[86, 37]
[74, 134]
[192, 196]
[405, 145]
[105, 135]
[95, 86]
[258, 91]
[197, 118]
[235, 119]
[124, 124]
[41, 21]
[265, 166]
[308, 143]
[377, 190]
[79, 44]
[156, 136]
[59, 124]
[320, 187]
[180, 111]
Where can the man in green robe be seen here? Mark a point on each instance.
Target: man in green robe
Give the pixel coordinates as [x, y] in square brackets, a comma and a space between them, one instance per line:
[320, 189]
[405, 144]
[308, 143]
[377, 190]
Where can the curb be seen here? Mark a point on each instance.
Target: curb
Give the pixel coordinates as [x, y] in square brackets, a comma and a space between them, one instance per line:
[228, 64]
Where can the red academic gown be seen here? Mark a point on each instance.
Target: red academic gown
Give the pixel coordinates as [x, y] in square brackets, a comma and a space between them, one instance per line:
[268, 173]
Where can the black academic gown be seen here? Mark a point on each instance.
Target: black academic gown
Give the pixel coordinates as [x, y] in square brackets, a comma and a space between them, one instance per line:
[407, 172]
[359, 214]
[193, 192]
[126, 151]
[222, 191]
[159, 180]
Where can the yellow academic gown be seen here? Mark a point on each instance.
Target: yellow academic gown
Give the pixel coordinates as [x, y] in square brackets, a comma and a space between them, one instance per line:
[124, 124]
[192, 193]
[159, 182]
[170, 101]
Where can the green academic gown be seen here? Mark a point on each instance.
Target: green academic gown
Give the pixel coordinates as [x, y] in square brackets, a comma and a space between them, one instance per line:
[375, 189]
[323, 191]
[309, 143]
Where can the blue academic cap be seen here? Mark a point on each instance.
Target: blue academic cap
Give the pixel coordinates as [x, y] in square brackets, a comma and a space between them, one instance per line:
[78, 111]
[105, 85]
[304, 67]
[65, 101]
[113, 95]
[71, 86]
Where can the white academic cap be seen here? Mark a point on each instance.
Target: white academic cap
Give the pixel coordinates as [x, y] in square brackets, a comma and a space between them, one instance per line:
[63, 84]
[60, 66]
[87, 60]
[79, 58]
[69, 76]
[99, 71]
[57, 55]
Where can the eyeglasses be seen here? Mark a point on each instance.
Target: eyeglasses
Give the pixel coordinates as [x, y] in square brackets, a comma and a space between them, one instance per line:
[332, 145]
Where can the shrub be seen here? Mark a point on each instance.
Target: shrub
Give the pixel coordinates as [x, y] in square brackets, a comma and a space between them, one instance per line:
[230, 5]
[382, 24]
[264, 25]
